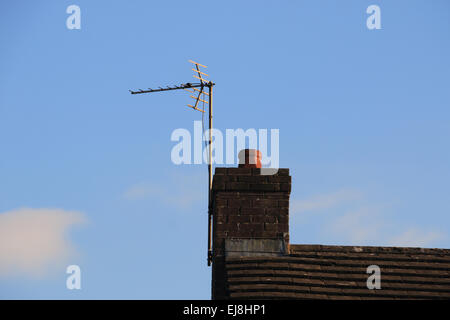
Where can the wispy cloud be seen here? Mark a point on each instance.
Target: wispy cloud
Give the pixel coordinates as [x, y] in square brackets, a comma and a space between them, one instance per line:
[34, 241]
[324, 201]
[358, 226]
[414, 237]
[180, 192]
[141, 191]
[348, 217]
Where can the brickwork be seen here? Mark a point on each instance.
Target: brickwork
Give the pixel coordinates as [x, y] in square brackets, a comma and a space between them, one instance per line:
[247, 204]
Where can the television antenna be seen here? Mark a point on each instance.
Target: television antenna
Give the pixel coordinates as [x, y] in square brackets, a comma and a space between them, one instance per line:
[198, 92]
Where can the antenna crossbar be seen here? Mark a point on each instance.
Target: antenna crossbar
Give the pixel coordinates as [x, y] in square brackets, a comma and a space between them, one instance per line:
[200, 78]
[199, 99]
[198, 64]
[195, 108]
[203, 92]
[205, 74]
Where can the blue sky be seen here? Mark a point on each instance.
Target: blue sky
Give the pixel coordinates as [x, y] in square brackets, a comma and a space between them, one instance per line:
[363, 116]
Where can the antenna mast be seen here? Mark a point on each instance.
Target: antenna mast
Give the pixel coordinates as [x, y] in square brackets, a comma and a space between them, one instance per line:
[193, 88]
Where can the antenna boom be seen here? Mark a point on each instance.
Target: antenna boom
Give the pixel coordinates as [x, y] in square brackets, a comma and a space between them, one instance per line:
[181, 86]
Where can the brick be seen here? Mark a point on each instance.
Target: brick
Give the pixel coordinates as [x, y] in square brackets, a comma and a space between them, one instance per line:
[256, 171]
[252, 211]
[283, 219]
[249, 227]
[226, 211]
[250, 194]
[263, 219]
[283, 203]
[257, 218]
[237, 203]
[221, 233]
[277, 195]
[264, 203]
[239, 218]
[270, 219]
[237, 186]
[282, 227]
[227, 227]
[227, 195]
[271, 227]
[266, 234]
[220, 178]
[221, 202]
[283, 172]
[252, 179]
[279, 179]
[234, 233]
[239, 171]
[218, 185]
[277, 211]
[221, 218]
[220, 171]
[264, 187]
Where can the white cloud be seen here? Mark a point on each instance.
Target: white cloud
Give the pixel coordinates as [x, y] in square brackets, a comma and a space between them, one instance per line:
[34, 241]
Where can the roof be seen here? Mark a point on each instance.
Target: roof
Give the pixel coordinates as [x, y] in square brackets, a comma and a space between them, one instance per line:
[340, 272]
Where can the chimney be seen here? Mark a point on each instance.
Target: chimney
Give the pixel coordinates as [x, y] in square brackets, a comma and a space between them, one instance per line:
[250, 214]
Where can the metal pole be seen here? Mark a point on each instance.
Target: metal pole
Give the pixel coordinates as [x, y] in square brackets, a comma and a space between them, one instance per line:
[210, 175]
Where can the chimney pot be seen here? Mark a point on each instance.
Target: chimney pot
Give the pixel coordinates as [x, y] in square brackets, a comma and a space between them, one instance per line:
[250, 158]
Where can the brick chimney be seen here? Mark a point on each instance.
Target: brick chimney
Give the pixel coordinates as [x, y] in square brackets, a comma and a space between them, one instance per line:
[250, 215]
